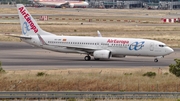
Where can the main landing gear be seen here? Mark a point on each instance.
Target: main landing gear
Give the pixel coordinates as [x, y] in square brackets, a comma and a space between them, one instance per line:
[155, 60]
[87, 58]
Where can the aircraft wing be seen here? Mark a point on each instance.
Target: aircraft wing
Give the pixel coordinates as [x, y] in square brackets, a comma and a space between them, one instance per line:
[79, 48]
[86, 49]
[76, 47]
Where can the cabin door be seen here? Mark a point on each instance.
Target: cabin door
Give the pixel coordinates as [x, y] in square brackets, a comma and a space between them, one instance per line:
[152, 46]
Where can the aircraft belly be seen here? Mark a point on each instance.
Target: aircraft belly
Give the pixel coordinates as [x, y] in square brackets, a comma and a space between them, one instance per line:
[31, 42]
[158, 53]
[79, 4]
[135, 53]
[27, 41]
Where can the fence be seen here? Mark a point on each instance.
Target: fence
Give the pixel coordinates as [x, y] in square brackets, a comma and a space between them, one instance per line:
[48, 18]
[88, 95]
[45, 18]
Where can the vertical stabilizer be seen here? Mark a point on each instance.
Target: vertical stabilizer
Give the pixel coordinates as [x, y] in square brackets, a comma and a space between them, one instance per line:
[28, 25]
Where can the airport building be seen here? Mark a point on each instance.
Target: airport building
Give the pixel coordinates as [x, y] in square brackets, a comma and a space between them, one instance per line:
[130, 4]
[121, 4]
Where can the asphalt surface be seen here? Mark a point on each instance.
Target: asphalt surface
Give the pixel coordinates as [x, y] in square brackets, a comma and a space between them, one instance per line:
[22, 56]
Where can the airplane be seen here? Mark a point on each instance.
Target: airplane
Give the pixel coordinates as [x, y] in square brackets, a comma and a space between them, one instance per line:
[97, 47]
[63, 3]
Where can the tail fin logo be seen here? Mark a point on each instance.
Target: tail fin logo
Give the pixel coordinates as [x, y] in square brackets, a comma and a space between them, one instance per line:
[28, 22]
[25, 28]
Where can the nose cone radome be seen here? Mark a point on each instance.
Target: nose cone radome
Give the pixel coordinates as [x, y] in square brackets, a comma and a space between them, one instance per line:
[170, 50]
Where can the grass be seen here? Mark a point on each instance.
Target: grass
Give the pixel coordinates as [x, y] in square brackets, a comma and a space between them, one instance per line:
[168, 35]
[69, 27]
[89, 80]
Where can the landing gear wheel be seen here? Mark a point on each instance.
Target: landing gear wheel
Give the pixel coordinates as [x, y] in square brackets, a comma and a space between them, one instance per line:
[87, 58]
[155, 60]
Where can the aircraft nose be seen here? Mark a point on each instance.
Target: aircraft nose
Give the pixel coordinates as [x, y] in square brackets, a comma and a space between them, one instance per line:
[170, 50]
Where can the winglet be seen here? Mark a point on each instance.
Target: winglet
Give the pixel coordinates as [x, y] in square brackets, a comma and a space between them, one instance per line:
[99, 34]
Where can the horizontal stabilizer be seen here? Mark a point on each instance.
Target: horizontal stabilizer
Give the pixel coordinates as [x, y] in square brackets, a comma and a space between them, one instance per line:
[18, 36]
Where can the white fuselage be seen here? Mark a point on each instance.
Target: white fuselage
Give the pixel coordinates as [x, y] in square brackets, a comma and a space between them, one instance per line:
[98, 47]
[118, 46]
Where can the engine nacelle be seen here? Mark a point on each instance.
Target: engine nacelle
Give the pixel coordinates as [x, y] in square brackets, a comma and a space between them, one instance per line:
[102, 54]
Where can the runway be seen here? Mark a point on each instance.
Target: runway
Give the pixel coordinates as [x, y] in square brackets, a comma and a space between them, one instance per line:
[22, 56]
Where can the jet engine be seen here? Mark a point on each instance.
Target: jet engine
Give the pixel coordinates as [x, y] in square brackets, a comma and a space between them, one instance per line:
[102, 54]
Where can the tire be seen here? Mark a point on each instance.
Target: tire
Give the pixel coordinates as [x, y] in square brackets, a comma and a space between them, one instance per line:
[87, 58]
[155, 60]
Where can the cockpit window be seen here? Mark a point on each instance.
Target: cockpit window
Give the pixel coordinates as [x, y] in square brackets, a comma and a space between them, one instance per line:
[161, 45]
